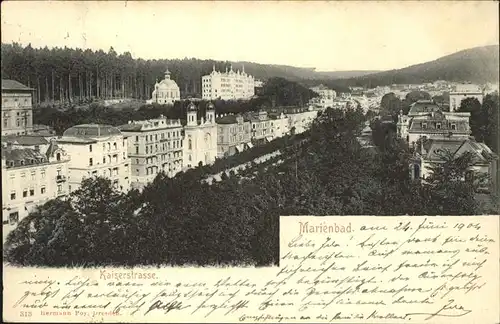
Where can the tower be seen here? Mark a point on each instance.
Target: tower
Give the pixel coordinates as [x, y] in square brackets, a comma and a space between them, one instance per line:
[192, 115]
[210, 113]
[167, 74]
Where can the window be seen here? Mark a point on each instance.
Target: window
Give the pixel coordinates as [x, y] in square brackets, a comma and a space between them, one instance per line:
[104, 160]
[137, 138]
[12, 195]
[25, 193]
[91, 162]
[104, 146]
[59, 188]
[23, 174]
[32, 191]
[58, 156]
[453, 126]
[13, 218]
[424, 125]
[114, 146]
[42, 190]
[137, 171]
[33, 175]
[90, 148]
[147, 150]
[190, 145]
[438, 125]
[137, 150]
[136, 161]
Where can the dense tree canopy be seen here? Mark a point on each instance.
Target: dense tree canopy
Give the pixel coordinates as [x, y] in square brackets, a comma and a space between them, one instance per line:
[67, 76]
[484, 119]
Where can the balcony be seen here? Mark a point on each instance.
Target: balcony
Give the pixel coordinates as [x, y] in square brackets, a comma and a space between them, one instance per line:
[60, 178]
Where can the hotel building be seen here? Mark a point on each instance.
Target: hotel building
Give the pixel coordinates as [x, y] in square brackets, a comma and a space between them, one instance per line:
[233, 135]
[17, 110]
[463, 91]
[228, 86]
[30, 177]
[96, 150]
[153, 145]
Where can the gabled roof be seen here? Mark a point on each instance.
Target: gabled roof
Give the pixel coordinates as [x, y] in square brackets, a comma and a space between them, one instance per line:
[434, 148]
[14, 85]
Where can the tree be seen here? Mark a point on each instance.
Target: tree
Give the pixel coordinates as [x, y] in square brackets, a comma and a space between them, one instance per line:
[390, 104]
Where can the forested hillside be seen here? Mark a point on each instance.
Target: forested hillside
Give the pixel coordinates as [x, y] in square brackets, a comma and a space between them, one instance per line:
[70, 75]
[479, 64]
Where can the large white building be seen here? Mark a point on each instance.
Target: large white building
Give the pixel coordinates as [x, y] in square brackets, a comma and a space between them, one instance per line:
[166, 92]
[463, 91]
[326, 97]
[200, 137]
[31, 175]
[17, 110]
[96, 150]
[153, 145]
[227, 86]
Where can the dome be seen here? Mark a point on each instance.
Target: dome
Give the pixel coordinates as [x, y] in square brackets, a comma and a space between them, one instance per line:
[210, 106]
[167, 84]
[192, 106]
[92, 130]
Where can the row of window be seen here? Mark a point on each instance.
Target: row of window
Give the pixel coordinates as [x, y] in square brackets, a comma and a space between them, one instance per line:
[150, 149]
[149, 138]
[31, 192]
[12, 176]
[107, 146]
[108, 159]
[439, 126]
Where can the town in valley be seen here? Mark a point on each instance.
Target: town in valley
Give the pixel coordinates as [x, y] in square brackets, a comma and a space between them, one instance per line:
[111, 159]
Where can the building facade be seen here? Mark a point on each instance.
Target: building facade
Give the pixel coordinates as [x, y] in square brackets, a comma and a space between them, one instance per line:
[228, 86]
[17, 109]
[96, 150]
[463, 91]
[153, 145]
[260, 126]
[299, 119]
[326, 97]
[31, 177]
[200, 137]
[166, 92]
[233, 135]
[279, 124]
[430, 151]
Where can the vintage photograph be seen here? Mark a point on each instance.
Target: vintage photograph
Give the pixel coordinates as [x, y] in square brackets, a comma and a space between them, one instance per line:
[177, 133]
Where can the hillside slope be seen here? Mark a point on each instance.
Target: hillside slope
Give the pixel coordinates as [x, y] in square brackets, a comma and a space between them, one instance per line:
[479, 64]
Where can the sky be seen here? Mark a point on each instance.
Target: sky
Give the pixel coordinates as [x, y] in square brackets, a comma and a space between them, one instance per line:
[328, 36]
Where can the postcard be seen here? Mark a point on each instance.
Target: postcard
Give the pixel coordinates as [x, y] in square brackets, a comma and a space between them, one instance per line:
[250, 162]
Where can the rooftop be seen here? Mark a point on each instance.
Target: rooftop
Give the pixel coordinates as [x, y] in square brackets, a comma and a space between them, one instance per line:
[25, 140]
[22, 157]
[434, 148]
[150, 124]
[14, 85]
[91, 131]
[423, 106]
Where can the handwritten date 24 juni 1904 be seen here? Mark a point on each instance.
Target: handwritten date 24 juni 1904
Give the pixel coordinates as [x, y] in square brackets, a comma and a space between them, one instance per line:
[404, 269]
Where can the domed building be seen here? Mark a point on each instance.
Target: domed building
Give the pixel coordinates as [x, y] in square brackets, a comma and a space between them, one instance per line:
[166, 92]
[96, 150]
